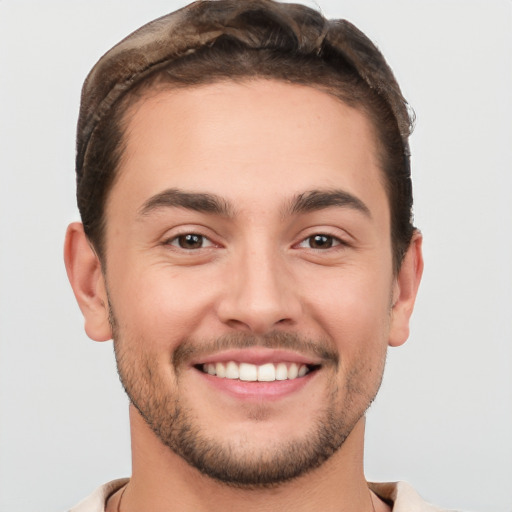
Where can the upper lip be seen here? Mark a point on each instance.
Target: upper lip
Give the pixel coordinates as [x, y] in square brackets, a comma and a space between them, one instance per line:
[257, 356]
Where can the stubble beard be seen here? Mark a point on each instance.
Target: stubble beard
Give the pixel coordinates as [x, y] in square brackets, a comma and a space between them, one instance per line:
[226, 461]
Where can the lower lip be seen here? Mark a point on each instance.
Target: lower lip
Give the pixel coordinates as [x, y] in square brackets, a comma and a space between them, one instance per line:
[244, 390]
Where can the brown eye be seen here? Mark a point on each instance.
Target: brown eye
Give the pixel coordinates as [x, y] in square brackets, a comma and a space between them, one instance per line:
[190, 241]
[320, 241]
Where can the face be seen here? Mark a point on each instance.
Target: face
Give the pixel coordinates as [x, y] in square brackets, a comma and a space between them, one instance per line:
[249, 275]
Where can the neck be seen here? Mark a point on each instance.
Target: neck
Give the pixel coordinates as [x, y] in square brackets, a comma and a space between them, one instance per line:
[162, 481]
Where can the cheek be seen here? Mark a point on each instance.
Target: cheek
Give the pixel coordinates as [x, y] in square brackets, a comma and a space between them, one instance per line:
[162, 306]
[357, 320]
[353, 306]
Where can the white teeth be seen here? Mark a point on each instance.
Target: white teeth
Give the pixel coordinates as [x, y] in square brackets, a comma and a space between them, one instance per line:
[267, 372]
[248, 372]
[281, 372]
[293, 371]
[232, 370]
[220, 370]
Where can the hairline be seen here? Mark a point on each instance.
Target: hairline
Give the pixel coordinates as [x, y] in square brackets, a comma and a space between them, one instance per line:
[150, 87]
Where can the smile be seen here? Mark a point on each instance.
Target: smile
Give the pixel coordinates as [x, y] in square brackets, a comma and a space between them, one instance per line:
[247, 372]
[258, 373]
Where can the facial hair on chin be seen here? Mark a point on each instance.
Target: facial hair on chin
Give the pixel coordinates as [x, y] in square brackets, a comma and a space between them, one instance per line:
[176, 426]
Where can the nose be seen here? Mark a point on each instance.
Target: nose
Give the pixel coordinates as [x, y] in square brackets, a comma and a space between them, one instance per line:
[259, 293]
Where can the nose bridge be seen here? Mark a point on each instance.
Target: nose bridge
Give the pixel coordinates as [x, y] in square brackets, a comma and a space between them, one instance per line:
[260, 290]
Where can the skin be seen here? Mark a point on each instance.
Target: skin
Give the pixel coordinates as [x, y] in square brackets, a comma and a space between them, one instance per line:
[257, 146]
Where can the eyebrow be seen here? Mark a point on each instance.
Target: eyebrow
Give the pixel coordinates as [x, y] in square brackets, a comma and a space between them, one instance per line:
[314, 200]
[311, 200]
[197, 201]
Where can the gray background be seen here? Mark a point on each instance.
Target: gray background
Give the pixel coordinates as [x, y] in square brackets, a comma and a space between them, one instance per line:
[443, 420]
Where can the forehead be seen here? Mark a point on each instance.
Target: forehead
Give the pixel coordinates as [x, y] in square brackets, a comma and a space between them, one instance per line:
[244, 141]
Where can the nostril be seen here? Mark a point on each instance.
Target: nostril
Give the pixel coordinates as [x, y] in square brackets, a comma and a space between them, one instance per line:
[287, 321]
[238, 324]
[257, 313]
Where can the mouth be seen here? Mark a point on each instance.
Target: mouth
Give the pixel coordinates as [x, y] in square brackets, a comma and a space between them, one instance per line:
[248, 372]
[258, 373]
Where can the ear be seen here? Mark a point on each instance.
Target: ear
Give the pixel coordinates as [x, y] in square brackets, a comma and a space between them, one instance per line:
[405, 290]
[84, 273]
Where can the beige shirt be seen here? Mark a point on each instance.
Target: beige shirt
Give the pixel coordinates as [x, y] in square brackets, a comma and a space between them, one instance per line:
[403, 497]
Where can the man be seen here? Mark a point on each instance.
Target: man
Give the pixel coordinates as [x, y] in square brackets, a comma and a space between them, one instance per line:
[244, 185]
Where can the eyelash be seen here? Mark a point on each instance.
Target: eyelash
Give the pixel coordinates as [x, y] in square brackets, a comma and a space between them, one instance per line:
[332, 240]
[176, 241]
[180, 240]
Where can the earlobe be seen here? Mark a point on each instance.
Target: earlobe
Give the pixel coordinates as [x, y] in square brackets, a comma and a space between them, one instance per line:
[405, 291]
[85, 275]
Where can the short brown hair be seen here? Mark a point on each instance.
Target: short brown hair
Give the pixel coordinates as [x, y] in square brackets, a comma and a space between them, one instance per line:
[214, 40]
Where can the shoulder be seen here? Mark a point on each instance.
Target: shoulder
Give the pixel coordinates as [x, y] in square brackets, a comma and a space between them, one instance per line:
[403, 497]
[96, 501]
